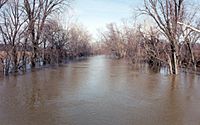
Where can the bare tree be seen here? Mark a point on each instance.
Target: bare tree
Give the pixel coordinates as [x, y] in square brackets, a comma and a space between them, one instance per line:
[114, 40]
[38, 12]
[79, 42]
[133, 40]
[167, 14]
[156, 49]
[190, 37]
[12, 29]
[189, 34]
[55, 38]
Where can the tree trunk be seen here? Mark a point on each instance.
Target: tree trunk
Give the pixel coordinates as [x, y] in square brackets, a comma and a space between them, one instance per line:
[169, 63]
[191, 54]
[15, 61]
[34, 56]
[174, 59]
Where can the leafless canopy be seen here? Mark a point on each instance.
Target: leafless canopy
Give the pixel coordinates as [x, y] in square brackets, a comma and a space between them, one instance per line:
[166, 13]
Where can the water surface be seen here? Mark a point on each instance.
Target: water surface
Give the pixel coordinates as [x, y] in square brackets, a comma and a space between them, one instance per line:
[99, 91]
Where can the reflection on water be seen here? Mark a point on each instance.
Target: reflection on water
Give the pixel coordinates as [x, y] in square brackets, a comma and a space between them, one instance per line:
[100, 91]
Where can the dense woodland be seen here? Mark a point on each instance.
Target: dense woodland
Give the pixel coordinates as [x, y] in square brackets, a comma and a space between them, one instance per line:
[31, 36]
[172, 40]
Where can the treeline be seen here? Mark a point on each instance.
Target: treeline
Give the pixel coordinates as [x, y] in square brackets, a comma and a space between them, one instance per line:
[30, 36]
[171, 41]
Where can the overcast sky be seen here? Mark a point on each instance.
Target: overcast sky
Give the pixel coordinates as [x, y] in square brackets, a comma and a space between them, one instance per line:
[95, 14]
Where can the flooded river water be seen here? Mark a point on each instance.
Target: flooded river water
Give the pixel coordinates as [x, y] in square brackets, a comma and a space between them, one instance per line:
[99, 91]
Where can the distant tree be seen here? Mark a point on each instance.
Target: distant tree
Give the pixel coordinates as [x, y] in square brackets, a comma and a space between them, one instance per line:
[78, 41]
[114, 41]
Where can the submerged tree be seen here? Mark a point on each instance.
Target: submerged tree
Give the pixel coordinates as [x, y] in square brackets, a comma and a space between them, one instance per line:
[38, 12]
[12, 29]
[167, 14]
[78, 41]
[114, 41]
[30, 35]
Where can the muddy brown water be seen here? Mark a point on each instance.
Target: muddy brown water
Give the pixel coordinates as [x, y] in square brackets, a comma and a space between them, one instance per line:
[100, 91]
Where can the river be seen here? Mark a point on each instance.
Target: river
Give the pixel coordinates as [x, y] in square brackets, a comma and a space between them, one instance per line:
[99, 91]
